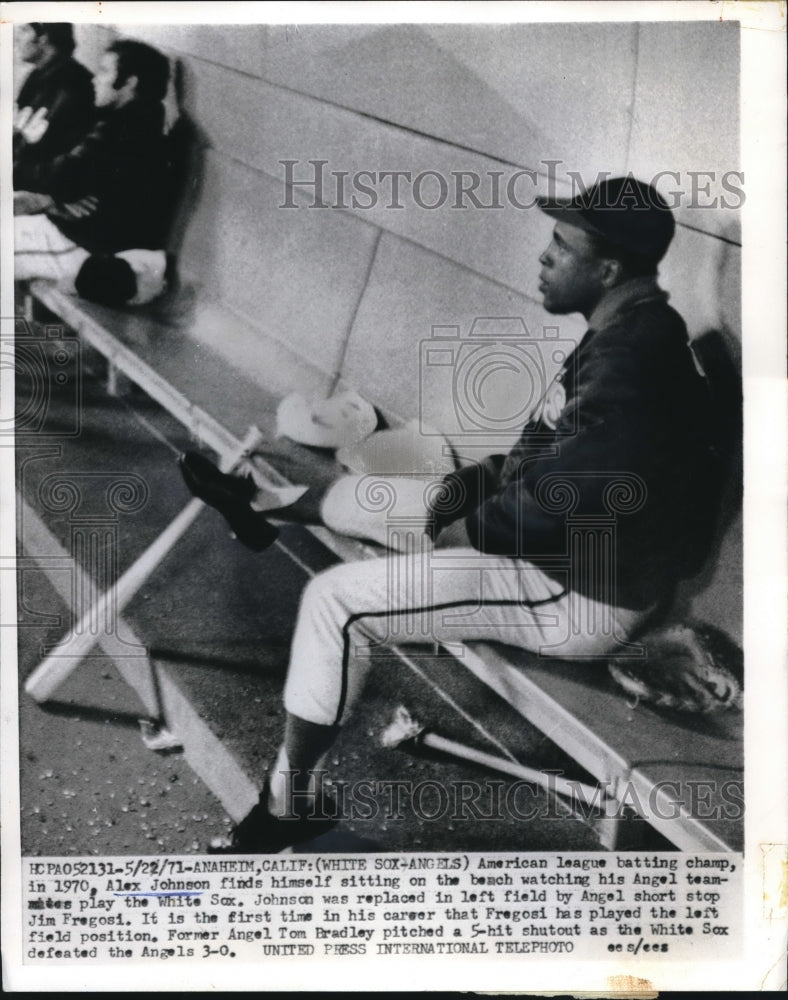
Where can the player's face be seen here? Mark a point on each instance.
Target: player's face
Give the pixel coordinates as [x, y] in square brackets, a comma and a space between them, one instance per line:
[104, 81]
[29, 44]
[571, 276]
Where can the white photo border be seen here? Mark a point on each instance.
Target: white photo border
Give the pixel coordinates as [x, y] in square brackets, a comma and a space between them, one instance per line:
[763, 116]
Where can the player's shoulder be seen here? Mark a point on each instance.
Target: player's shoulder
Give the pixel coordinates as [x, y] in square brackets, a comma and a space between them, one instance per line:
[77, 73]
[642, 328]
[71, 75]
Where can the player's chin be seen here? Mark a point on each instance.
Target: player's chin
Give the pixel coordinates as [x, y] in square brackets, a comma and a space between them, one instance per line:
[549, 304]
[556, 304]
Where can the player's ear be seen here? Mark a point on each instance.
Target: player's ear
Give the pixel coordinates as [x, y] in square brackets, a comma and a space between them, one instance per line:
[612, 272]
[131, 84]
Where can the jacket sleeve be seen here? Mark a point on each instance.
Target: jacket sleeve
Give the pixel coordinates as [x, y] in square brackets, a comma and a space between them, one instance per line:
[461, 492]
[599, 431]
[71, 175]
[70, 117]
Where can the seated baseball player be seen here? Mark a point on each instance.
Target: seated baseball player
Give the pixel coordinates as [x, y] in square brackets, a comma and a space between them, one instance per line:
[565, 547]
[54, 106]
[108, 193]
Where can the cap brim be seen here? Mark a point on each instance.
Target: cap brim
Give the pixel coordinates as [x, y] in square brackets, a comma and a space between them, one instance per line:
[569, 212]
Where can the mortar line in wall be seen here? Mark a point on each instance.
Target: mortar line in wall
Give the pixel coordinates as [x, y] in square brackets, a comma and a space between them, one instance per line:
[458, 263]
[635, 74]
[411, 130]
[337, 375]
[633, 105]
[348, 213]
[252, 324]
[363, 114]
[705, 232]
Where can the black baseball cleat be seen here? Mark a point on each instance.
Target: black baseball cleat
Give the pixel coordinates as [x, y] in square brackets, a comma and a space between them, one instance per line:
[230, 495]
[207, 482]
[260, 832]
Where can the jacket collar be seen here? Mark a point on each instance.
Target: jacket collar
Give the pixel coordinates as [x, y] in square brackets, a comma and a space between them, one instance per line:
[136, 115]
[52, 67]
[621, 298]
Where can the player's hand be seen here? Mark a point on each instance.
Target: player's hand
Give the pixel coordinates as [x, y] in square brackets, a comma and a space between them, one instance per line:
[172, 111]
[21, 118]
[459, 493]
[31, 202]
[79, 209]
[454, 536]
[35, 126]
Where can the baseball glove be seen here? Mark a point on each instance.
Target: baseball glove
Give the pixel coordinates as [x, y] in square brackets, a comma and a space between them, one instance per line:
[687, 668]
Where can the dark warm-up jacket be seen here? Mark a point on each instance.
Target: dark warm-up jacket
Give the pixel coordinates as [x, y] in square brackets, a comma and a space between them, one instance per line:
[65, 88]
[637, 414]
[122, 163]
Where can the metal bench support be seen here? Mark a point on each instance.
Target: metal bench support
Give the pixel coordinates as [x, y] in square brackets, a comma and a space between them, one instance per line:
[70, 652]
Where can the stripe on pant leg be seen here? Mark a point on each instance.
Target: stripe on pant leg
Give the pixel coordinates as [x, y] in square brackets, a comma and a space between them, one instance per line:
[389, 613]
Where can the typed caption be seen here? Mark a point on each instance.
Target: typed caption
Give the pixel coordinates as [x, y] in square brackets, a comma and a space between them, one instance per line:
[590, 906]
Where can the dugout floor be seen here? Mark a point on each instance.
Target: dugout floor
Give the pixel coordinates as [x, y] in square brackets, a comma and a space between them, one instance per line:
[215, 621]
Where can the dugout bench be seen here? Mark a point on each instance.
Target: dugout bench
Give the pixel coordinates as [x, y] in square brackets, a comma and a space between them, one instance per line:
[687, 771]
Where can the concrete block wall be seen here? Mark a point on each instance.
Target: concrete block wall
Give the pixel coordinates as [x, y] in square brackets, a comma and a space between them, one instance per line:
[321, 283]
[348, 295]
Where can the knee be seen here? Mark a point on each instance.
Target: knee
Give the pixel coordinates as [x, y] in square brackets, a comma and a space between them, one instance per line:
[337, 508]
[324, 592]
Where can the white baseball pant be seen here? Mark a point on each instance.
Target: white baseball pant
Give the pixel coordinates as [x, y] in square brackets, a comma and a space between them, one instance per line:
[42, 251]
[350, 612]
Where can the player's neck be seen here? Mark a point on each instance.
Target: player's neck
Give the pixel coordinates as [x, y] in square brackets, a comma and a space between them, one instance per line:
[45, 57]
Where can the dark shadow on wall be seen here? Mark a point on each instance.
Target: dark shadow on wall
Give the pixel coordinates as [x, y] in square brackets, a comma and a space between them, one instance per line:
[186, 145]
[718, 354]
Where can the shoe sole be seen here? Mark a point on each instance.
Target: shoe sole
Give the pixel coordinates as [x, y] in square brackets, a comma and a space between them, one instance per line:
[249, 527]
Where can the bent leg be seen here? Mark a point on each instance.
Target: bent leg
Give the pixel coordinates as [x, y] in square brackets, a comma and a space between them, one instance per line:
[351, 612]
[389, 510]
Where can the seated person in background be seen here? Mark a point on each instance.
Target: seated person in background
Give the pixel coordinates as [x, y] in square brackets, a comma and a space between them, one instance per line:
[108, 193]
[54, 107]
[624, 435]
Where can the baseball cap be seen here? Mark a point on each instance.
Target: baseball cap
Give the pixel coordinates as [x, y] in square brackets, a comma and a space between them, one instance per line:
[624, 211]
